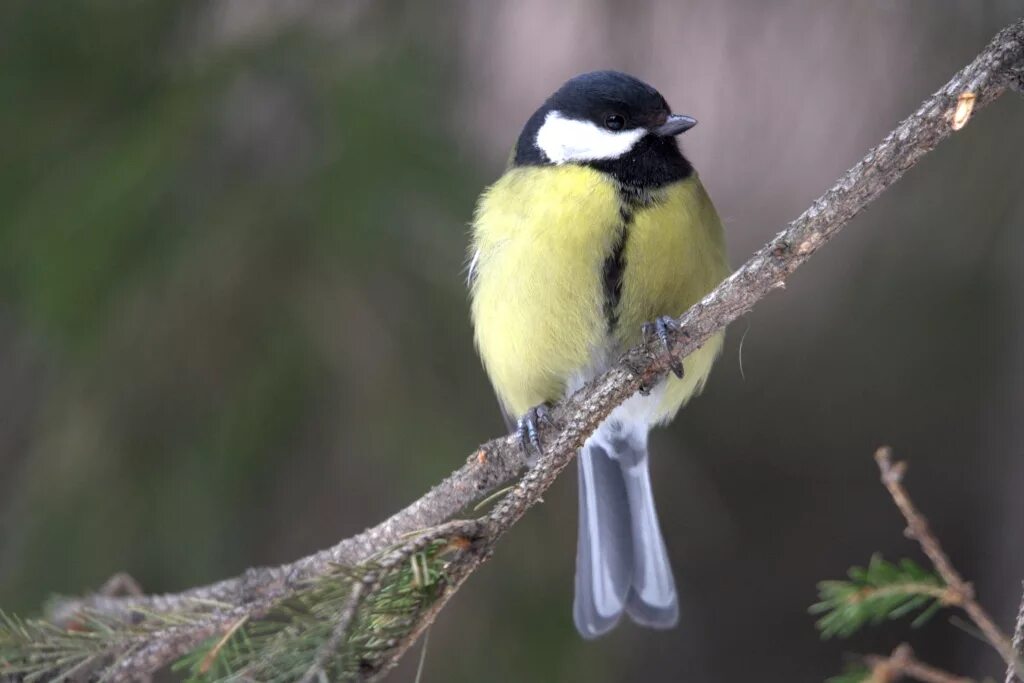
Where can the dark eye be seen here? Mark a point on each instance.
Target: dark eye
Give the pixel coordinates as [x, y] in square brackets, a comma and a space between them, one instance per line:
[614, 122]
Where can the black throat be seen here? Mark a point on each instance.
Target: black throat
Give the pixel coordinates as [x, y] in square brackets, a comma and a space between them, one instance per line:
[653, 162]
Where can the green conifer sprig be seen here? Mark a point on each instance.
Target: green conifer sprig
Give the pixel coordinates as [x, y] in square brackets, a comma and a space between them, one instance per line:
[876, 593]
[289, 643]
[36, 650]
[300, 638]
[32, 650]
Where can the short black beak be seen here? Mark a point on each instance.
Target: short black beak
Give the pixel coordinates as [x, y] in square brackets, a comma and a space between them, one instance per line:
[676, 124]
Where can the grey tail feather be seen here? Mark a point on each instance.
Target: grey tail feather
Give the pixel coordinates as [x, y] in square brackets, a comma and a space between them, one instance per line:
[604, 552]
[652, 598]
[621, 561]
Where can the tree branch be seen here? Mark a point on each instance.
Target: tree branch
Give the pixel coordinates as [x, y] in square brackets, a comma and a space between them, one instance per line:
[498, 462]
[902, 664]
[961, 593]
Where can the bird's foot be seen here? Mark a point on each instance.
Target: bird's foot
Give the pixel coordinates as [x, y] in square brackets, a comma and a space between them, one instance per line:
[527, 428]
[663, 331]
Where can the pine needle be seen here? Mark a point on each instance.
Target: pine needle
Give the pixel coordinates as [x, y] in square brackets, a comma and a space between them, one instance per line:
[881, 591]
[423, 656]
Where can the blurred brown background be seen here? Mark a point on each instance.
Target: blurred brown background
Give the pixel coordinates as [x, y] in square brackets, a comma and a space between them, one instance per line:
[233, 326]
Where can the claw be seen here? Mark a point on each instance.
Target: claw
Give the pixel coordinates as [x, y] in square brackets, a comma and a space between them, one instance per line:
[527, 428]
[662, 329]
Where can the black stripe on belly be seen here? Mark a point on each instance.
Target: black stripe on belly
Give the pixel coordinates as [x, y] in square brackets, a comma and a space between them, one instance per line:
[615, 268]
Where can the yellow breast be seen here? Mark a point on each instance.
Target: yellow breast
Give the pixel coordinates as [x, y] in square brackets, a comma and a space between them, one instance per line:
[539, 239]
[541, 236]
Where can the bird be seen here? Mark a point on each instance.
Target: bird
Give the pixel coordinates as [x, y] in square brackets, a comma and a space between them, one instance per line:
[597, 236]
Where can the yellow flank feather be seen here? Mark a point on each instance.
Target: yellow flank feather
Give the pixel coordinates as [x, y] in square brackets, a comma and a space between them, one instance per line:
[540, 239]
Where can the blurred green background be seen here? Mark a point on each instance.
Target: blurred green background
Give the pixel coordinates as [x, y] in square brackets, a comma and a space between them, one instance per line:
[233, 324]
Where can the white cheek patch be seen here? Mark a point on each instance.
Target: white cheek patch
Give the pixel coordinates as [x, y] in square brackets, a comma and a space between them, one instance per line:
[563, 140]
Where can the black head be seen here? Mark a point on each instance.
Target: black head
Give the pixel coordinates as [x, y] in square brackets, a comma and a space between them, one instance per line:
[610, 121]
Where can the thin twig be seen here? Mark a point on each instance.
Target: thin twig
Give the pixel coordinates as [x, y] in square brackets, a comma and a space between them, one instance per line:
[961, 592]
[943, 594]
[1018, 641]
[471, 538]
[155, 651]
[327, 649]
[902, 664]
[500, 460]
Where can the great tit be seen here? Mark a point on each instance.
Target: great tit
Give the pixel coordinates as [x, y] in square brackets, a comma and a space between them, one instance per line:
[597, 232]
